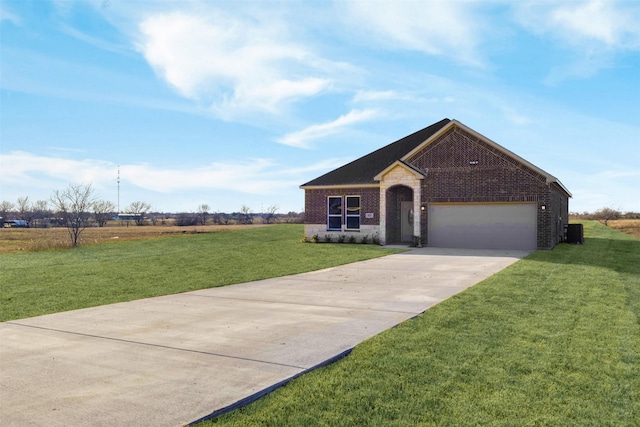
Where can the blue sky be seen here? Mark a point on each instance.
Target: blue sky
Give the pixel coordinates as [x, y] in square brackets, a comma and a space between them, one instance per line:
[238, 103]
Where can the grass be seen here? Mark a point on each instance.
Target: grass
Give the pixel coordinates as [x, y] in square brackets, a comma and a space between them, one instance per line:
[43, 239]
[50, 281]
[629, 226]
[552, 340]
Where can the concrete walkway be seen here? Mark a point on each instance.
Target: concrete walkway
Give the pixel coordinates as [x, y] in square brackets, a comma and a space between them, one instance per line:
[171, 360]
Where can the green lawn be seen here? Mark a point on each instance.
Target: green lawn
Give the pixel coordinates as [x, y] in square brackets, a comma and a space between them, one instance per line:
[46, 282]
[553, 340]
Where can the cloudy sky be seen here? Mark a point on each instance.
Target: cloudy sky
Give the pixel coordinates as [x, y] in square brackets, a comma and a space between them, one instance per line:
[238, 103]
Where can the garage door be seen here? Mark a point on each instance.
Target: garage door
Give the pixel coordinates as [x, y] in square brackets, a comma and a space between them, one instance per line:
[483, 226]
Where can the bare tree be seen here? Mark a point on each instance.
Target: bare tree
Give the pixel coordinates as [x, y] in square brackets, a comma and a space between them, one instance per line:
[39, 213]
[5, 208]
[245, 215]
[23, 207]
[269, 214]
[102, 210]
[73, 205]
[605, 214]
[186, 219]
[221, 218]
[139, 209]
[154, 218]
[203, 214]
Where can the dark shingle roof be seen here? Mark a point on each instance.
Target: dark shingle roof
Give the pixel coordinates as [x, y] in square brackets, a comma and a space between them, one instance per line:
[364, 169]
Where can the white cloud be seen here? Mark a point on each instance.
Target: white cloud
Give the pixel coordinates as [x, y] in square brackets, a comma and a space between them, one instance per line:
[254, 176]
[236, 64]
[302, 138]
[592, 24]
[225, 185]
[249, 176]
[7, 15]
[447, 28]
[24, 169]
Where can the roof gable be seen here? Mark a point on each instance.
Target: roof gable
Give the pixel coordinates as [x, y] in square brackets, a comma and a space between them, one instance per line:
[364, 170]
[368, 170]
[456, 124]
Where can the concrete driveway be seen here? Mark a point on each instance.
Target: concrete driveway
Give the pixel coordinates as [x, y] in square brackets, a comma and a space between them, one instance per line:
[171, 360]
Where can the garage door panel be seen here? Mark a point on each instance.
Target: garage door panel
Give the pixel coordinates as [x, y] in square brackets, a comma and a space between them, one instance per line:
[483, 226]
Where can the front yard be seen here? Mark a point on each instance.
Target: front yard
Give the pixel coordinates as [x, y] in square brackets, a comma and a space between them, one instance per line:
[552, 340]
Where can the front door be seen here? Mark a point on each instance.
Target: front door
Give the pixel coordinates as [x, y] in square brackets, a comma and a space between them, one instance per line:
[406, 222]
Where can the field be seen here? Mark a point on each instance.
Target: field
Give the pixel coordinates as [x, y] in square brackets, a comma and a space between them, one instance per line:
[629, 226]
[38, 239]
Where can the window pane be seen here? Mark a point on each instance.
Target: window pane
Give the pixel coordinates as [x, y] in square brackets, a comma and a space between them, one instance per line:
[335, 223]
[353, 204]
[353, 212]
[353, 222]
[335, 205]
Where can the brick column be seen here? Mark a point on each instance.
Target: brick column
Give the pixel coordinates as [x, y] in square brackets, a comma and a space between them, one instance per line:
[417, 214]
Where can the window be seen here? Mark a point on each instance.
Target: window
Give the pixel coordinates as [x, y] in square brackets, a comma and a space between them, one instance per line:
[353, 213]
[334, 220]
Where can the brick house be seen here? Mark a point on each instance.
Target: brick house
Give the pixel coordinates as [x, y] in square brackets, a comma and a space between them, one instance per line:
[444, 186]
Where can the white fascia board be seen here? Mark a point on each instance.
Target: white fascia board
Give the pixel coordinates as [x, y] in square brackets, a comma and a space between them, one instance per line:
[338, 186]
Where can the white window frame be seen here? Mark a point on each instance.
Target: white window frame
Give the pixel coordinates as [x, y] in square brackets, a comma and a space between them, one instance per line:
[351, 215]
[330, 215]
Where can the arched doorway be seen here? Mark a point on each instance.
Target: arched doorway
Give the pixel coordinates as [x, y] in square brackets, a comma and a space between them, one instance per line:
[399, 214]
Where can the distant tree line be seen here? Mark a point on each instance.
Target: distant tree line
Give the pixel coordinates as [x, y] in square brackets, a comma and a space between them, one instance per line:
[76, 208]
[606, 214]
[203, 216]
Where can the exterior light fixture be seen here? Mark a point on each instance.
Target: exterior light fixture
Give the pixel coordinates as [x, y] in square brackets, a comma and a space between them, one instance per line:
[543, 207]
[473, 163]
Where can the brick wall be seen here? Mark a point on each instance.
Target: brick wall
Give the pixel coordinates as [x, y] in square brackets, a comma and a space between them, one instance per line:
[558, 215]
[315, 204]
[459, 168]
[463, 168]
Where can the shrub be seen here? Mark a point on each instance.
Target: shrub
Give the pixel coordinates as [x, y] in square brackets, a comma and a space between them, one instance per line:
[365, 239]
[341, 238]
[327, 238]
[186, 220]
[375, 239]
[314, 238]
[352, 239]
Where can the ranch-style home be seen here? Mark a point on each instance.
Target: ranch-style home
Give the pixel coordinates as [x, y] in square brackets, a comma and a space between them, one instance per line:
[443, 186]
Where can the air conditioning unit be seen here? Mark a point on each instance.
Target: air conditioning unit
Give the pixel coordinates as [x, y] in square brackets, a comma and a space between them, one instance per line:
[575, 234]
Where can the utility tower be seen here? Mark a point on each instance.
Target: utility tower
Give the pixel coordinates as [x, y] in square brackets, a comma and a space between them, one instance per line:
[118, 189]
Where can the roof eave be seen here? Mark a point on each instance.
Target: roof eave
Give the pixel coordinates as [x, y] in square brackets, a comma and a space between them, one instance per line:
[559, 184]
[338, 186]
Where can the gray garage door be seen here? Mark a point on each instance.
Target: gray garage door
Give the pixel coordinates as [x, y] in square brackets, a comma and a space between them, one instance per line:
[483, 226]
